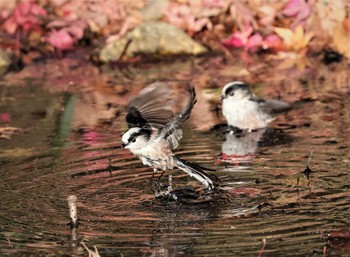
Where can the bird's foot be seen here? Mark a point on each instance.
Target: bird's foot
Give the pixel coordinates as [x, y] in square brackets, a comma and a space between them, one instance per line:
[166, 195]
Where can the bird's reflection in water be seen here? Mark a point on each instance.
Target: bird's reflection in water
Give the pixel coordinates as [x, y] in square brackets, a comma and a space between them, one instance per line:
[241, 146]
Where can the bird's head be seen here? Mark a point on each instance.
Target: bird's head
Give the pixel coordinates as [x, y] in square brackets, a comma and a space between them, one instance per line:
[236, 91]
[136, 138]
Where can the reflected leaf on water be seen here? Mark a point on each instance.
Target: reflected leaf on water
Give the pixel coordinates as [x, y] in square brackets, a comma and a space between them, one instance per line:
[292, 60]
[8, 132]
[17, 152]
[5, 117]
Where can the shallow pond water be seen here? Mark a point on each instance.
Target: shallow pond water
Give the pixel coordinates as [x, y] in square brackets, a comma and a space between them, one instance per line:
[61, 150]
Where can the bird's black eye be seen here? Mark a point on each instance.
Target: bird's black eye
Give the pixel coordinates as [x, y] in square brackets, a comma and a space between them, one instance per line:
[232, 93]
[133, 140]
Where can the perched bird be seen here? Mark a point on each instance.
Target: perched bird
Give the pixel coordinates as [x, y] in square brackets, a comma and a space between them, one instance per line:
[154, 131]
[243, 110]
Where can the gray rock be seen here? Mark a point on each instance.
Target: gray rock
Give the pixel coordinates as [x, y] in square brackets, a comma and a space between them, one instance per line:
[5, 61]
[152, 38]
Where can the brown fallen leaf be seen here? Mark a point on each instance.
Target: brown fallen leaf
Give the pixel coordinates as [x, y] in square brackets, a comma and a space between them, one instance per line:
[17, 152]
[341, 39]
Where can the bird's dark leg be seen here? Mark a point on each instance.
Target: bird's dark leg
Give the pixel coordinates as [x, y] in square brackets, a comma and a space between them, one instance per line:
[156, 185]
[159, 178]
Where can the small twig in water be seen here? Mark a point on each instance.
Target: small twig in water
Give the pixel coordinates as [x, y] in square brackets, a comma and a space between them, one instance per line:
[10, 244]
[310, 155]
[91, 253]
[262, 248]
[308, 171]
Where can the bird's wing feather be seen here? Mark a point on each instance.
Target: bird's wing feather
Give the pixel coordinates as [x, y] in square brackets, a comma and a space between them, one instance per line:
[172, 131]
[270, 106]
[274, 107]
[153, 107]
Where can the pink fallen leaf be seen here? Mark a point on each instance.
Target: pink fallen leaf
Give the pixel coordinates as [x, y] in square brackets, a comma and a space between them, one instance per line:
[38, 10]
[239, 38]
[272, 42]
[22, 12]
[301, 9]
[61, 39]
[272, 39]
[28, 12]
[10, 25]
[25, 15]
[249, 41]
[254, 42]
[292, 8]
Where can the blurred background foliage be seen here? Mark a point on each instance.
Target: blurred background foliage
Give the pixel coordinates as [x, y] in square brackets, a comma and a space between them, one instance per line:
[53, 27]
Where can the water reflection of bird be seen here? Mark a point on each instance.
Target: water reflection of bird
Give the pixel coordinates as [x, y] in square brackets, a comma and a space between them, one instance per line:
[243, 110]
[154, 131]
[240, 147]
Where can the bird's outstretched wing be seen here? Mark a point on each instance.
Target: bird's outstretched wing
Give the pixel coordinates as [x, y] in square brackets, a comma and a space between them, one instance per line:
[172, 131]
[152, 108]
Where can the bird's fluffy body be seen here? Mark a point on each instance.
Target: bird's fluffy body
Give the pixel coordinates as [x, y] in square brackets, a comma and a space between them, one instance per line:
[244, 110]
[245, 114]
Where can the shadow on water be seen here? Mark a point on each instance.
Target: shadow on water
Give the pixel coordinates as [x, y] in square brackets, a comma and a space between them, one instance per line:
[69, 144]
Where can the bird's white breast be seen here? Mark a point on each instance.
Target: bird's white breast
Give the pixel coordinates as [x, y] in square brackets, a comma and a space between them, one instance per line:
[244, 114]
[156, 154]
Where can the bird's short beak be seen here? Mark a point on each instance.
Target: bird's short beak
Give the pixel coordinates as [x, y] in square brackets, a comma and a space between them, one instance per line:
[222, 97]
[123, 145]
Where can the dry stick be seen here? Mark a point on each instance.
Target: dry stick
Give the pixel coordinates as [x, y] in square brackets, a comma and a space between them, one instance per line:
[262, 248]
[312, 151]
[72, 203]
[91, 253]
[9, 242]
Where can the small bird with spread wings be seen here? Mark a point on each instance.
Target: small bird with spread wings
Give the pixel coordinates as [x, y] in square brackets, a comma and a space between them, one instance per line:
[155, 130]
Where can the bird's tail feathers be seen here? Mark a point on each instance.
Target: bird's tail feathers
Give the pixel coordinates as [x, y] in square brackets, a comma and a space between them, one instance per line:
[209, 180]
[300, 102]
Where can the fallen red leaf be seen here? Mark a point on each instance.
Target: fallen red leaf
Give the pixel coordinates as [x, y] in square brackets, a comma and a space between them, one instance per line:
[25, 15]
[61, 39]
